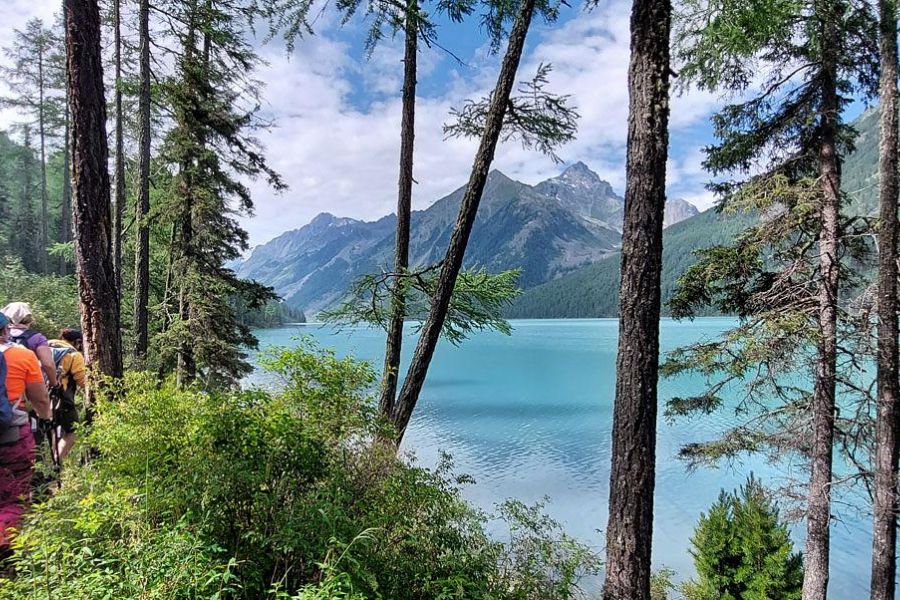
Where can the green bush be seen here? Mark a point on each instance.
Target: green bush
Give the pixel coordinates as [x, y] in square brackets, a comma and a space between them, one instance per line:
[259, 495]
[743, 552]
[53, 299]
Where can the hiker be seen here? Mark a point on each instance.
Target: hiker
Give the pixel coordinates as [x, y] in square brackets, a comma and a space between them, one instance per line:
[70, 372]
[24, 382]
[20, 332]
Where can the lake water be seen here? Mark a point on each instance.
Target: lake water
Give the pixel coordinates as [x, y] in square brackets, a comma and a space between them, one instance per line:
[530, 415]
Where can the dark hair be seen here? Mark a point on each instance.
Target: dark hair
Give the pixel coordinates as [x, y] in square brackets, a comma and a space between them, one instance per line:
[73, 336]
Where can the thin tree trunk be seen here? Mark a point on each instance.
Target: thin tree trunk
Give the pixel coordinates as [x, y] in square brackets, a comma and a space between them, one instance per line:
[42, 131]
[818, 517]
[887, 424]
[142, 208]
[468, 210]
[120, 148]
[186, 369]
[629, 531]
[404, 208]
[93, 222]
[65, 217]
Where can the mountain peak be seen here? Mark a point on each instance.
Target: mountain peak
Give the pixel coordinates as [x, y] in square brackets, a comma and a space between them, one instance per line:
[581, 169]
[496, 176]
[323, 218]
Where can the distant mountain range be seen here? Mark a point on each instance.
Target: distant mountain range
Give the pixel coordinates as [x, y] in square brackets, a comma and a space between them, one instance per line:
[564, 233]
[546, 230]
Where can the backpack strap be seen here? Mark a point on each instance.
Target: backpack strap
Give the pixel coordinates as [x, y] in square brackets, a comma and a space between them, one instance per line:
[22, 338]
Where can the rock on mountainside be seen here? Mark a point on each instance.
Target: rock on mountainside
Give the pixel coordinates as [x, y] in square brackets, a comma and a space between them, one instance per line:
[678, 209]
[546, 230]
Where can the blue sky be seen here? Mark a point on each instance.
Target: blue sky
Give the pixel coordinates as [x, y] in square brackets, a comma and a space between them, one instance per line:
[336, 114]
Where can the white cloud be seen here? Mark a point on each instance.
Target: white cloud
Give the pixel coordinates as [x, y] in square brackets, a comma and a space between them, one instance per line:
[336, 139]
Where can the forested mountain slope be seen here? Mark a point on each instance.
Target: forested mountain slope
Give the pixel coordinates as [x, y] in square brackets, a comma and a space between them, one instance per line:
[593, 291]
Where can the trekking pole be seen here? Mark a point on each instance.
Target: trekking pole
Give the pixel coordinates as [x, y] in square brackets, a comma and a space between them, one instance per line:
[53, 437]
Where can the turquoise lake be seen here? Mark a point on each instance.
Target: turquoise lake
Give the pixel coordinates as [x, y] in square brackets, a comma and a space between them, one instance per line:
[530, 415]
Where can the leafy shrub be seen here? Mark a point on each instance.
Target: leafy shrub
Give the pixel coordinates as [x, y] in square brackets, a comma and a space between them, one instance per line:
[252, 495]
[53, 299]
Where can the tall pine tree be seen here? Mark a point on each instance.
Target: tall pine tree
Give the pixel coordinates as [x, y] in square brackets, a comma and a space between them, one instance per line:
[783, 277]
[213, 149]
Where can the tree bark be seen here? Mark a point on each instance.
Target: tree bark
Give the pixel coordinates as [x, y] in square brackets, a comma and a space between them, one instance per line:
[887, 424]
[119, 199]
[142, 208]
[404, 208]
[468, 210]
[93, 223]
[42, 131]
[818, 516]
[629, 532]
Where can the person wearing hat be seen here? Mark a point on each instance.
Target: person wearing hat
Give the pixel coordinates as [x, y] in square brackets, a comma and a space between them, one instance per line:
[71, 374]
[20, 332]
[24, 383]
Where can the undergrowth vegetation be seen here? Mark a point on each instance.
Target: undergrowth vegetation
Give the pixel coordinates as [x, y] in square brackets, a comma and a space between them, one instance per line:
[259, 494]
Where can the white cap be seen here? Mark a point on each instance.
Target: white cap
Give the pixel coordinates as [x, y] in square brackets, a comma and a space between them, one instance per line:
[18, 313]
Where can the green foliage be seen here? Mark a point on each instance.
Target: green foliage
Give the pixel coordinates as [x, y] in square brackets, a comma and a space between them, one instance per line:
[541, 561]
[477, 303]
[273, 495]
[743, 552]
[661, 584]
[769, 277]
[723, 45]
[537, 118]
[53, 299]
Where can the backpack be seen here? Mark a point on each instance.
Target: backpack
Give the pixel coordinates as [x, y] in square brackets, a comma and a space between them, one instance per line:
[5, 406]
[59, 353]
[22, 338]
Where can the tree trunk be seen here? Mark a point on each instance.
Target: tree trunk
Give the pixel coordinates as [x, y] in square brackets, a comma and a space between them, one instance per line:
[142, 208]
[818, 516]
[42, 131]
[404, 208]
[186, 368]
[629, 532]
[468, 210]
[884, 538]
[65, 217]
[120, 148]
[93, 223]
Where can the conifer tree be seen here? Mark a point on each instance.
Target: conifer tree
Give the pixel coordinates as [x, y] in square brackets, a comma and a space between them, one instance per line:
[485, 119]
[31, 79]
[783, 276]
[119, 180]
[887, 423]
[212, 146]
[25, 233]
[742, 551]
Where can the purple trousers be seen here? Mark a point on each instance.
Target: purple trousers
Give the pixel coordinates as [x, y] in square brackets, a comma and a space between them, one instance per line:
[16, 470]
